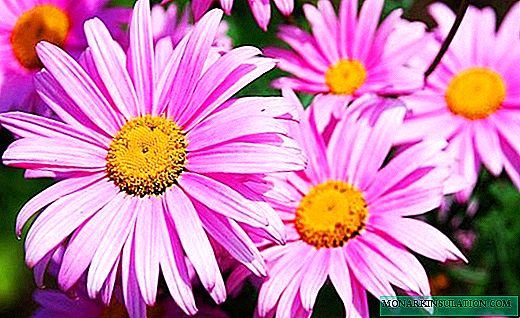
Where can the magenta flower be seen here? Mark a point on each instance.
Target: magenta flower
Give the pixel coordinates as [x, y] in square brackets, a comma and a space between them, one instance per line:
[153, 155]
[347, 216]
[261, 9]
[351, 55]
[473, 97]
[24, 23]
[169, 22]
[55, 303]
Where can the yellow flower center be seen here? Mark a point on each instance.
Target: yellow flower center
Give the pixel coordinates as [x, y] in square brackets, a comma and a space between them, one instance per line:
[345, 77]
[330, 214]
[41, 23]
[475, 93]
[147, 155]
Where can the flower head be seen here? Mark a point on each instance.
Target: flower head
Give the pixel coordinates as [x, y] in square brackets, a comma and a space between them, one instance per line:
[473, 97]
[261, 9]
[348, 216]
[351, 55]
[27, 22]
[153, 155]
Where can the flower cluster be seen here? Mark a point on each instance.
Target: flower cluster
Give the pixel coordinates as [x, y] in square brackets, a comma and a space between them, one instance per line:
[165, 178]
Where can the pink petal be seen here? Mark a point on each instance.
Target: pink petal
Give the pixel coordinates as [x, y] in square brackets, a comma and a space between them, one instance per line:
[419, 237]
[234, 239]
[29, 126]
[395, 263]
[210, 81]
[348, 25]
[222, 199]
[367, 272]
[487, 145]
[403, 165]
[64, 216]
[380, 140]
[366, 28]
[141, 61]
[80, 87]
[261, 11]
[52, 194]
[199, 7]
[110, 61]
[285, 6]
[315, 274]
[85, 242]
[192, 236]
[240, 76]
[133, 300]
[146, 259]
[190, 67]
[340, 277]
[241, 157]
[281, 274]
[173, 266]
[321, 33]
[121, 226]
[58, 155]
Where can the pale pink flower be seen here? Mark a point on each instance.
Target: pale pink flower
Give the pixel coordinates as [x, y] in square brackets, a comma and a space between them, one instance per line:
[351, 55]
[261, 9]
[153, 155]
[348, 216]
[473, 97]
[23, 23]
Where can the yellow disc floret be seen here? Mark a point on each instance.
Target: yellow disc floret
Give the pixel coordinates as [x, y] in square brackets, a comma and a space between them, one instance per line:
[147, 155]
[345, 77]
[475, 93]
[330, 214]
[41, 23]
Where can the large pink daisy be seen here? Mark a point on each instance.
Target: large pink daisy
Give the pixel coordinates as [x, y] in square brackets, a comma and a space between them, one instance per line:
[153, 156]
[348, 216]
[473, 97]
[351, 55]
[261, 9]
[24, 23]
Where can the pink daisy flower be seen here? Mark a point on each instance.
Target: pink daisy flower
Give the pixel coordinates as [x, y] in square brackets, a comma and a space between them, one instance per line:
[473, 97]
[24, 23]
[261, 9]
[170, 22]
[153, 156]
[347, 216]
[351, 55]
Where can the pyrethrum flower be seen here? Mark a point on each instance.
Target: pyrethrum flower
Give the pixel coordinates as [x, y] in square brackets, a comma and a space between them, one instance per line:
[348, 217]
[473, 97]
[351, 55]
[170, 22]
[24, 23]
[153, 156]
[261, 9]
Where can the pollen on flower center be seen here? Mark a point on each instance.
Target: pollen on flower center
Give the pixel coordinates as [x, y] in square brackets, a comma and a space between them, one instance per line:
[345, 77]
[330, 214]
[41, 23]
[147, 155]
[475, 93]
